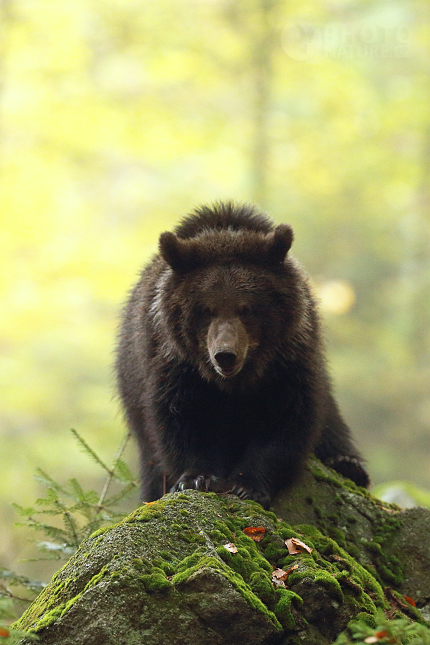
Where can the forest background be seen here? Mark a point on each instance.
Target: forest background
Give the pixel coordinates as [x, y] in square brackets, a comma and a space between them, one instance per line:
[118, 116]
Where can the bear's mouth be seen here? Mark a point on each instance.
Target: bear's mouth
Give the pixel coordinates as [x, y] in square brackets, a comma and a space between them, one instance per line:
[228, 372]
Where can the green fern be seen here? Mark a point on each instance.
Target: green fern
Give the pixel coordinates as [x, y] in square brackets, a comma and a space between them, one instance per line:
[76, 513]
[80, 512]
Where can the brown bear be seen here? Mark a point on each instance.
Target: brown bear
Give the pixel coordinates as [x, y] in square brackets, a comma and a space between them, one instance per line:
[220, 362]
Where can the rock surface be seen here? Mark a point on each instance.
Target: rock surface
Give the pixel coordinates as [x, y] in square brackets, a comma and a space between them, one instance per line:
[164, 574]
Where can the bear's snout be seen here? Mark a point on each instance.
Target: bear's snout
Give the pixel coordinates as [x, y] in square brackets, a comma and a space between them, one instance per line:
[228, 346]
[225, 358]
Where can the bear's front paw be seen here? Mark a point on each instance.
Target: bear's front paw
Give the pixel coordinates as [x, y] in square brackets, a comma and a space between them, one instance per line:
[350, 467]
[197, 482]
[256, 494]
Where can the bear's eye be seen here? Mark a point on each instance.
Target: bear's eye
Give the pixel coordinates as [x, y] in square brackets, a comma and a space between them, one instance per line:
[204, 311]
[245, 310]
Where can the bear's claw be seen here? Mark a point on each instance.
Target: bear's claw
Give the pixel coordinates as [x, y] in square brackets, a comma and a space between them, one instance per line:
[203, 483]
[251, 493]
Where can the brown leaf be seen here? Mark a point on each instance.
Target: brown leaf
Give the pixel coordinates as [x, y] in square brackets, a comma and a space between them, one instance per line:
[256, 533]
[278, 583]
[280, 574]
[295, 546]
[231, 547]
[4, 632]
[410, 600]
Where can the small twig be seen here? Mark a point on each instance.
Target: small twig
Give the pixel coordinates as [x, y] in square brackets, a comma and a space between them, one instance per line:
[111, 471]
[5, 592]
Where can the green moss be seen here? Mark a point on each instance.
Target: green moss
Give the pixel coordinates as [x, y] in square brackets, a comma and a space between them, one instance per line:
[387, 567]
[162, 565]
[194, 563]
[42, 616]
[192, 537]
[320, 475]
[353, 550]
[209, 562]
[156, 581]
[334, 517]
[137, 563]
[261, 584]
[95, 579]
[183, 511]
[318, 512]
[282, 609]
[100, 532]
[319, 576]
[239, 562]
[369, 619]
[165, 555]
[272, 516]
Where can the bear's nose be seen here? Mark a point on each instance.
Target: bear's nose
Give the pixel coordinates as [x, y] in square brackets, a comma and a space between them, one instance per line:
[225, 359]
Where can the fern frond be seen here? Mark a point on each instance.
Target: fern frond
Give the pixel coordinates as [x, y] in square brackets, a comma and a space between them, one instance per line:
[123, 472]
[44, 478]
[89, 451]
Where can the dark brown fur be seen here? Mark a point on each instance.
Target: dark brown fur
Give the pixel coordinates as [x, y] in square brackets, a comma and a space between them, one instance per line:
[220, 365]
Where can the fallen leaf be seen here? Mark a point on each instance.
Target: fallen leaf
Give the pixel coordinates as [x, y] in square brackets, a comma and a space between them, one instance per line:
[382, 634]
[278, 583]
[295, 546]
[231, 547]
[256, 533]
[4, 632]
[280, 574]
[410, 600]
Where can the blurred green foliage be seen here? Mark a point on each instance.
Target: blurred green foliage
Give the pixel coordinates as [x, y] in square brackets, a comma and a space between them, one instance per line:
[118, 116]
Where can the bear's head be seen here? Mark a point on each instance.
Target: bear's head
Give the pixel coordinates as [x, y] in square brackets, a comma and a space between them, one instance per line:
[232, 299]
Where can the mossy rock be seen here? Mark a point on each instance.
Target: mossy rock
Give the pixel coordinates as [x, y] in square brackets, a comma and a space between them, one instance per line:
[164, 575]
[392, 543]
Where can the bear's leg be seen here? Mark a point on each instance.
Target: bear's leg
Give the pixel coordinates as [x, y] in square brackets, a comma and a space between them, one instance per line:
[337, 450]
[266, 469]
[152, 485]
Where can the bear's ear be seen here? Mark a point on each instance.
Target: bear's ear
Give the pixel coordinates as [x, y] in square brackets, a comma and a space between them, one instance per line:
[282, 240]
[174, 251]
